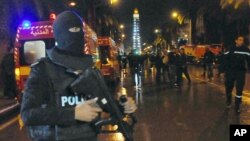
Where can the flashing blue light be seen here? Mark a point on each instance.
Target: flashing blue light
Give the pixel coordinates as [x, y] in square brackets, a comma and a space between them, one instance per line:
[26, 24]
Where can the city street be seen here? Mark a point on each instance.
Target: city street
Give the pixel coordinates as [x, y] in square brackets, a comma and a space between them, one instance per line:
[157, 50]
[195, 112]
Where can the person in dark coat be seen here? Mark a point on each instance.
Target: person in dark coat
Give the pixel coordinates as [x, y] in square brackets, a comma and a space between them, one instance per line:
[49, 109]
[159, 66]
[220, 62]
[178, 68]
[124, 61]
[135, 66]
[183, 64]
[172, 66]
[209, 59]
[8, 75]
[236, 63]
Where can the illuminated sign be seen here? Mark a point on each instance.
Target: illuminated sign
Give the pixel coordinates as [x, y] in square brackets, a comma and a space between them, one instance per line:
[103, 41]
[39, 30]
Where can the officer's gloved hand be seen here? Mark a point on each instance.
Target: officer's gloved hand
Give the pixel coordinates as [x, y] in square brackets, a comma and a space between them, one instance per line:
[127, 102]
[86, 111]
[129, 106]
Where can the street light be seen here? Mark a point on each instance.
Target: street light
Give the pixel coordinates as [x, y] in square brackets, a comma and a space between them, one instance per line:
[235, 3]
[123, 35]
[175, 14]
[72, 4]
[121, 26]
[157, 31]
[180, 19]
[178, 16]
[113, 1]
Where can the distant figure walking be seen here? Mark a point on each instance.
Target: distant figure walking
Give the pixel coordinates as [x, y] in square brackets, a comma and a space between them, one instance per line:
[209, 58]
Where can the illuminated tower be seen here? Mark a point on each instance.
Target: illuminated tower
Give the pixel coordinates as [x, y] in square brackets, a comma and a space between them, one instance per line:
[136, 31]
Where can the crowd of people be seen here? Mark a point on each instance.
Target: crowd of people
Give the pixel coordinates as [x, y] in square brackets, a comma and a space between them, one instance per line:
[170, 66]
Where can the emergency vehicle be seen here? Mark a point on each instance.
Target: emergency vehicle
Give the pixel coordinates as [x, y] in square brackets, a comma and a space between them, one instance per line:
[214, 48]
[108, 61]
[198, 51]
[31, 42]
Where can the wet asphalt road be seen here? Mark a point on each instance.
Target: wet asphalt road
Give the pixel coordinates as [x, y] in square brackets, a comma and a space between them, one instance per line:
[195, 112]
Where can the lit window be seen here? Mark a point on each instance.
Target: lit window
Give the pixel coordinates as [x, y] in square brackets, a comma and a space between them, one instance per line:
[34, 50]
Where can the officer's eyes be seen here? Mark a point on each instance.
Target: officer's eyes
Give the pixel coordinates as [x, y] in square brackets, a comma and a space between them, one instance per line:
[74, 29]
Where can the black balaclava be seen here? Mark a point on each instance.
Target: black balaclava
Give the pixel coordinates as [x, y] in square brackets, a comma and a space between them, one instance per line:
[68, 32]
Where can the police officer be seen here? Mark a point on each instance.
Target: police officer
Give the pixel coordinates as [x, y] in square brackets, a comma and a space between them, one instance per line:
[208, 63]
[49, 109]
[236, 60]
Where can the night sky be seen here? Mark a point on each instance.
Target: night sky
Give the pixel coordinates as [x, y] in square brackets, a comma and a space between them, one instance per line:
[153, 13]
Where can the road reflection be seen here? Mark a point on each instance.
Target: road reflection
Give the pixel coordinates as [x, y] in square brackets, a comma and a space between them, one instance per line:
[138, 89]
[111, 137]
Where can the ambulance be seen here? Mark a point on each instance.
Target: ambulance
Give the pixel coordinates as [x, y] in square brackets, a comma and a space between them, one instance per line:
[32, 41]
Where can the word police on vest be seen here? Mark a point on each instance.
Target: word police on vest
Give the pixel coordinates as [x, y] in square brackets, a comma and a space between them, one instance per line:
[239, 132]
[75, 100]
[71, 100]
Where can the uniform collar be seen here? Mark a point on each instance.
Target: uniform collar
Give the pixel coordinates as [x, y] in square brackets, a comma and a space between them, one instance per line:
[72, 62]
